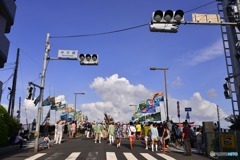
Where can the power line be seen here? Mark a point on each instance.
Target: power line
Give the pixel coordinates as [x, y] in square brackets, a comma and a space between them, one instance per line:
[4, 69]
[97, 34]
[121, 30]
[204, 5]
[6, 82]
[26, 54]
[8, 79]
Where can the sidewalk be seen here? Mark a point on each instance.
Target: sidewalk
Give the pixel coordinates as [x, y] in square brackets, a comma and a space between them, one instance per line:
[193, 150]
[8, 149]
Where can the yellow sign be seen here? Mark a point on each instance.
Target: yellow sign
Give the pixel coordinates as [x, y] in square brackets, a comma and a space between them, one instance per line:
[228, 141]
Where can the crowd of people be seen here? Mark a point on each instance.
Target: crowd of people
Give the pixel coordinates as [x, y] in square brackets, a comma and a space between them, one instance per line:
[156, 136]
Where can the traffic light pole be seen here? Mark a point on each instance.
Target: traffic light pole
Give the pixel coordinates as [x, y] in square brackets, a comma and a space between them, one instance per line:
[228, 19]
[203, 23]
[47, 49]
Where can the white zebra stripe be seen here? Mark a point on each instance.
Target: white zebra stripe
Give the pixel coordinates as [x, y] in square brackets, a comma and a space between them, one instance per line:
[111, 156]
[36, 156]
[129, 156]
[165, 156]
[92, 156]
[73, 156]
[148, 156]
[54, 156]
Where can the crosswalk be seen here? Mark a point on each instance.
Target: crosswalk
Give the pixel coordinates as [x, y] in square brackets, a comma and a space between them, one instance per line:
[94, 155]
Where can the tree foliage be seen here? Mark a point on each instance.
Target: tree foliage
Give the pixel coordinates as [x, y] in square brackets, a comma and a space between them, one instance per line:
[8, 126]
[235, 123]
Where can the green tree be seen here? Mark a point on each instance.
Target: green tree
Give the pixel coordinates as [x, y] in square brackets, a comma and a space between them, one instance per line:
[4, 131]
[235, 123]
[9, 126]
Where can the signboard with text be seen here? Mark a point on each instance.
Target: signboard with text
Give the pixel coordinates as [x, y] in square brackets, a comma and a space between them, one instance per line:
[68, 54]
[189, 109]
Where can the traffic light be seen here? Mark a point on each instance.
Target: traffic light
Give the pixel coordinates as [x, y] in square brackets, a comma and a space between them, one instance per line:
[29, 93]
[37, 100]
[88, 59]
[227, 90]
[167, 21]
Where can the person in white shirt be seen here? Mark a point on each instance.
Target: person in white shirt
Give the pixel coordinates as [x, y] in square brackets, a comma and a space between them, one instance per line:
[55, 132]
[124, 130]
[47, 140]
[60, 128]
[19, 140]
[154, 136]
[199, 140]
[131, 134]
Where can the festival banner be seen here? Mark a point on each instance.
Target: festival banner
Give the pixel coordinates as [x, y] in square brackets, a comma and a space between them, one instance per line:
[48, 101]
[154, 117]
[147, 106]
[157, 98]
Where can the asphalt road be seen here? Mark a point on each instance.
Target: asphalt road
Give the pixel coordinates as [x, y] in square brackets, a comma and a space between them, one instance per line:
[86, 149]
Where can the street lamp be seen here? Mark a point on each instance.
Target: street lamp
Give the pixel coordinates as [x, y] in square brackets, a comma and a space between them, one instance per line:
[165, 82]
[135, 105]
[75, 107]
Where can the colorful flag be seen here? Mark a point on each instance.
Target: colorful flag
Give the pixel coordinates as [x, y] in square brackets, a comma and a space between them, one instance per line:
[48, 101]
[157, 98]
[147, 106]
[47, 116]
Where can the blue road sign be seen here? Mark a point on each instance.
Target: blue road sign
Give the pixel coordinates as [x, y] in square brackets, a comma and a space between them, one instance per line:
[189, 109]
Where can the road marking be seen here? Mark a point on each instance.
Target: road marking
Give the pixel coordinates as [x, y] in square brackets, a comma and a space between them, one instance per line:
[130, 156]
[148, 156]
[165, 156]
[111, 156]
[73, 156]
[54, 156]
[92, 156]
[36, 156]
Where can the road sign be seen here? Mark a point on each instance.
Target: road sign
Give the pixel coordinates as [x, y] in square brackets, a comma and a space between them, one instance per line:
[189, 109]
[67, 54]
[206, 18]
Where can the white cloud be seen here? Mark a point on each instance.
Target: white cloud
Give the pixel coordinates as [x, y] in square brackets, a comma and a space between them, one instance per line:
[205, 54]
[117, 93]
[202, 110]
[177, 82]
[212, 93]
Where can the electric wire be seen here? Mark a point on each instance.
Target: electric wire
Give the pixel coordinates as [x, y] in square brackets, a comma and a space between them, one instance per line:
[102, 33]
[4, 69]
[8, 64]
[6, 82]
[204, 5]
[8, 78]
[27, 55]
[121, 30]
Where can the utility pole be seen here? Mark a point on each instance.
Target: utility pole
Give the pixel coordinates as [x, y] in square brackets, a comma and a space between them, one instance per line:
[219, 128]
[178, 111]
[13, 90]
[19, 109]
[46, 55]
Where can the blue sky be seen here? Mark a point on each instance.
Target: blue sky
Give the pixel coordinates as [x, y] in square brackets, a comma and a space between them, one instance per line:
[194, 56]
